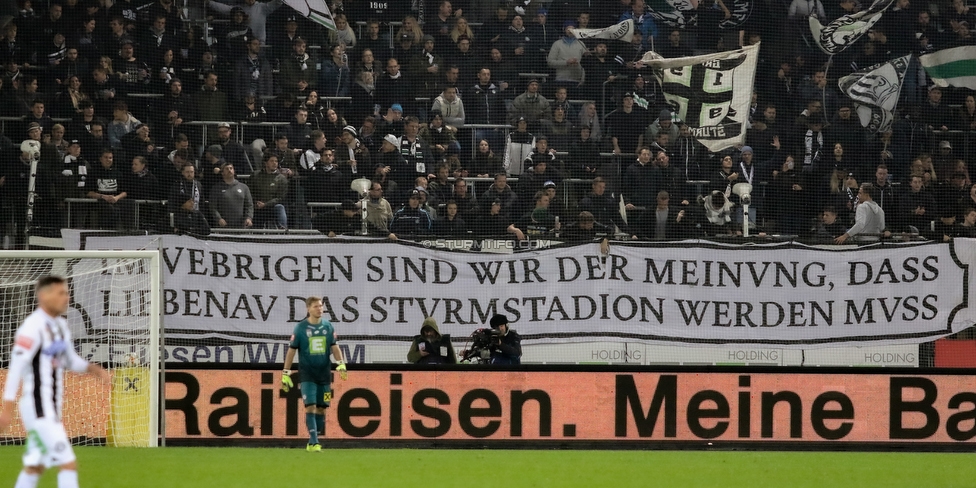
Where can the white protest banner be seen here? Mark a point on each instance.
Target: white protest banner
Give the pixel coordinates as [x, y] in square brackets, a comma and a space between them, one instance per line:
[689, 293]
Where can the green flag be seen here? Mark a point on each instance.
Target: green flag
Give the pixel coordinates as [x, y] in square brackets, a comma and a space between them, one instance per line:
[952, 67]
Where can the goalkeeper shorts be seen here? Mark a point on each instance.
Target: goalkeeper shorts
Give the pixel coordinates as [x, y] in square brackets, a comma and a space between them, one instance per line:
[47, 443]
[318, 394]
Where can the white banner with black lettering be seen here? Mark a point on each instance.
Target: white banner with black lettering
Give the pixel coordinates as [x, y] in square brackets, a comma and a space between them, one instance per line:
[690, 293]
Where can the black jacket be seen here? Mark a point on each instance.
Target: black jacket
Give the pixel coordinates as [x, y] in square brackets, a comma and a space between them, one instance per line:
[508, 350]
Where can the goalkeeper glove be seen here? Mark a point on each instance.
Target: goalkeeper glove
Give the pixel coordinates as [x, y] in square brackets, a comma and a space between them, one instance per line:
[286, 382]
[342, 371]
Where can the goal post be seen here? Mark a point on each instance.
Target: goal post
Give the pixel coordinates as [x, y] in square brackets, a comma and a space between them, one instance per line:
[115, 320]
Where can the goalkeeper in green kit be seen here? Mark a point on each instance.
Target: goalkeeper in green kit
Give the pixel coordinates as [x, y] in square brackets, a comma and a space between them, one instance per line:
[313, 339]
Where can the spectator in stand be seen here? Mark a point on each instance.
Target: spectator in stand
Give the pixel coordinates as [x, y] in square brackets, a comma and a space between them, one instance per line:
[374, 42]
[440, 138]
[500, 191]
[387, 160]
[345, 220]
[662, 222]
[233, 151]
[172, 110]
[416, 153]
[828, 226]
[335, 78]
[966, 115]
[462, 33]
[439, 188]
[184, 202]
[344, 32]
[663, 125]
[37, 115]
[565, 56]
[122, 123]
[363, 94]
[559, 130]
[638, 181]
[450, 107]
[425, 69]
[297, 70]
[504, 74]
[870, 217]
[103, 185]
[450, 224]
[625, 126]
[674, 48]
[230, 201]
[643, 22]
[411, 219]
[210, 103]
[918, 208]
[70, 183]
[485, 163]
[602, 205]
[515, 44]
[298, 131]
[885, 195]
[253, 72]
[132, 72]
[142, 185]
[531, 104]
[518, 148]
[584, 154]
[392, 87]
[935, 115]
[539, 221]
[257, 13]
[392, 121]
[367, 63]
[351, 154]
[379, 213]
[600, 69]
[466, 200]
[494, 223]
[156, 39]
[268, 189]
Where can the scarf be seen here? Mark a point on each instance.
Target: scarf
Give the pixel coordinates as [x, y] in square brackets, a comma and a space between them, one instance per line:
[813, 144]
[747, 173]
[302, 61]
[413, 152]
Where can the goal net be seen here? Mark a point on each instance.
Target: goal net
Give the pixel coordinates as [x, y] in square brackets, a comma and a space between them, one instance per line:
[114, 320]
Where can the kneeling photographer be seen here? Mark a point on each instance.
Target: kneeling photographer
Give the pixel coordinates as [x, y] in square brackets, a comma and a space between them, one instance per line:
[430, 347]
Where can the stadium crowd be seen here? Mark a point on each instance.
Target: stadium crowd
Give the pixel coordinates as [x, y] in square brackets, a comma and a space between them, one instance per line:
[458, 117]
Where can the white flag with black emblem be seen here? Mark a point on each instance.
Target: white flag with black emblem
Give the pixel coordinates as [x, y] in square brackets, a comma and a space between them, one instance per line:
[623, 31]
[875, 92]
[711, 93]
[847, 29]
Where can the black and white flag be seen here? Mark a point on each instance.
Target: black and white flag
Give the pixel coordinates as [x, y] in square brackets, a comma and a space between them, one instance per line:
[847, 29]
[711, 93]
[875, 92]
[740, 10]
[623, 31]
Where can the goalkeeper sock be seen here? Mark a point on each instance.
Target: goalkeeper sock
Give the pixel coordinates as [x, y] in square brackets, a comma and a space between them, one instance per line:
[67, 478]
[320, 423]
[27, 480]
[313, 432]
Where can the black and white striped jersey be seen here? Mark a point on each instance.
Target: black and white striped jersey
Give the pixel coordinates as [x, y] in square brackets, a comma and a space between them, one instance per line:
[42, 351]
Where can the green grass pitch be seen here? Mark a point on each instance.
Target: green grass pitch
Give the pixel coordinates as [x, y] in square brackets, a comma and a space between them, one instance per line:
[350, 468]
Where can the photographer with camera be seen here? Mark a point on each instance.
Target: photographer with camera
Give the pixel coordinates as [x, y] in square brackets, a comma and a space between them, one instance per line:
[430, 347]
[506, 344]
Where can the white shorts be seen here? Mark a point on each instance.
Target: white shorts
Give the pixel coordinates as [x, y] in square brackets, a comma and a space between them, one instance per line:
[47, 444]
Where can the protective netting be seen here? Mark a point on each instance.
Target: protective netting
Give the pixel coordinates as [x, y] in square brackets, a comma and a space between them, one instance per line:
[111, 323]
